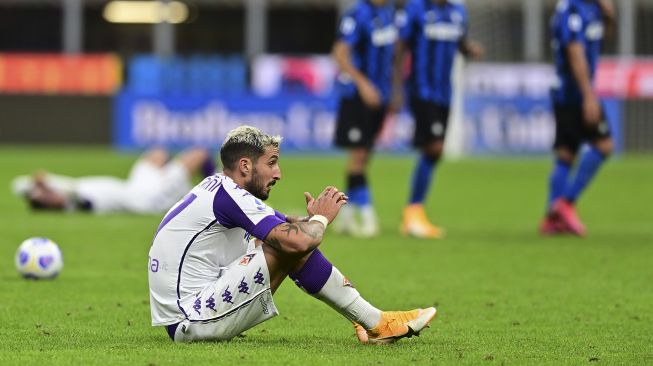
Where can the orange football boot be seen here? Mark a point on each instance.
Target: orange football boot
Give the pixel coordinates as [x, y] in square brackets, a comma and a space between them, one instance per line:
[395, 325]
[415, 223]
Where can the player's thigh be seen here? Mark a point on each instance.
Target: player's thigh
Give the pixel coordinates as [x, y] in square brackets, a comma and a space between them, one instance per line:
[431, 121]
[598, 131]
[569, 127]
[238, 300]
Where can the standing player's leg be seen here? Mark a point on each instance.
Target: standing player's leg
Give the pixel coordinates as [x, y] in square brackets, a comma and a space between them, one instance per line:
[591, 160]
[359, 192]
[319, 278]
[430, 130]
[356, 131]
[566, 144]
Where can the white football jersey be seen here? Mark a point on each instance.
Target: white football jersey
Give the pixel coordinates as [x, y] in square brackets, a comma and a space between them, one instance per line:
[212, 226]
[148, 189]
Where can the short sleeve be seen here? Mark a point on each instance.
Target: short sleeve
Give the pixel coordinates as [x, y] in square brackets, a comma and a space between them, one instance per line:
[245, 211]
[571, 28]
[405, 20]
[350, 28]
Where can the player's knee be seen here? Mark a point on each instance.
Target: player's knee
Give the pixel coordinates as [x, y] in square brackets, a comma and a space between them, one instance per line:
[433, 151]
[565, 155]
[605, 147]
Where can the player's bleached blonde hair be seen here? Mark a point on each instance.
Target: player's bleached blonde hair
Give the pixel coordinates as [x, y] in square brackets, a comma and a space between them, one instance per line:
[246, 141]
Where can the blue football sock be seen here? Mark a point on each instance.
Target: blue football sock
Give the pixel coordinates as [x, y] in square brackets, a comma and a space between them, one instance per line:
[590, 163]
[421, 182]
[357, 190]
[360, 196]
[558, 181]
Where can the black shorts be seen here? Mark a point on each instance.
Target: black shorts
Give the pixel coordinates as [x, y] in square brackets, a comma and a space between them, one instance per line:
[358, 125]
[572, 131]
[431, 121]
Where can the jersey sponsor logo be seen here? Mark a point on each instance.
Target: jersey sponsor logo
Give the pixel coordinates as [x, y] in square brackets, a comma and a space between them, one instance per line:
[594, 31]
[154, 264]
[384, 36]
[246, 259]
[443, 31]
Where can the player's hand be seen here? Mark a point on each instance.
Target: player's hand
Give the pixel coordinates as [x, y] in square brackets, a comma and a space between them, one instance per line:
[369, 94]
[591, 110]
[327, 204]
[475, 50]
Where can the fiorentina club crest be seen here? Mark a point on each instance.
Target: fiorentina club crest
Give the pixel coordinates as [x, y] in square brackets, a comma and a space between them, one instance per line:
[246, 259]
[347, 283]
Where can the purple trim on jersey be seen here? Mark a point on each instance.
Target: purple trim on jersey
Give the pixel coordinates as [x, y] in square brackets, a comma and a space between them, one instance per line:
[314, 274]
[263, 228]
[280, 215]
[187, 201]
[230, 215]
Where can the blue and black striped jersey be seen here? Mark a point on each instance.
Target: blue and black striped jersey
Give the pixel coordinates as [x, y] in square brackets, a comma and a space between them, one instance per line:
[433, 33]
[371, 33]
[575, 21]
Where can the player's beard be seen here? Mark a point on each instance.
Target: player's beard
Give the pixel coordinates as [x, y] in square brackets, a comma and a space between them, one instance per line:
[258, 187]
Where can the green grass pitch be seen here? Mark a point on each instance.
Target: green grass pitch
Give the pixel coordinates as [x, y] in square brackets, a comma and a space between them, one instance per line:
[505, 295]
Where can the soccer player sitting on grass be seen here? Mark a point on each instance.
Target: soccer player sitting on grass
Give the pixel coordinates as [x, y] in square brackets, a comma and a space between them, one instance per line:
[154, 184]
[220, 253]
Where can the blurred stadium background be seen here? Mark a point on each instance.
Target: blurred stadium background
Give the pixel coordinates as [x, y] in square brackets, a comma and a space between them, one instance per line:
[114, 73]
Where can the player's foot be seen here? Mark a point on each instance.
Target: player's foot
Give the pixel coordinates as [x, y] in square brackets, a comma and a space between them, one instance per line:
[416, 224]
[551, 225]
[369, 223]
[568, 216]
[346, 222]
[395, 325]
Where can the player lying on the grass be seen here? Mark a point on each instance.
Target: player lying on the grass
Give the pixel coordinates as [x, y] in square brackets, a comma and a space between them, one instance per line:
[154, 184]
[220, 253]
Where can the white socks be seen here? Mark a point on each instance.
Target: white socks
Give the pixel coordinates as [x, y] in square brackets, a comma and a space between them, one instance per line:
[339, 293]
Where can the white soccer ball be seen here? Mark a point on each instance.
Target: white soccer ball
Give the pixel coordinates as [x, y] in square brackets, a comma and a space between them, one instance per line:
[39, 258]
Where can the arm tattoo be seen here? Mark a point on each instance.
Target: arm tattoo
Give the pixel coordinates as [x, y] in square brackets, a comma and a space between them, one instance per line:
[314, 231]
[274, 243]
[287, 228]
